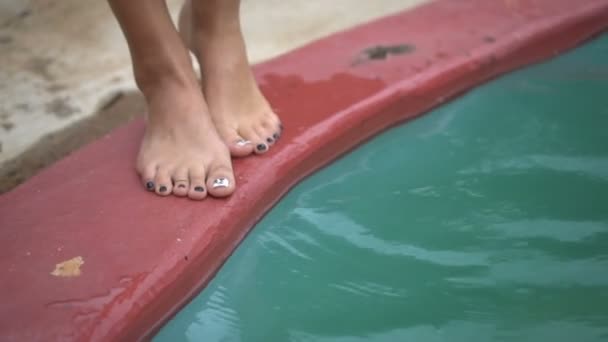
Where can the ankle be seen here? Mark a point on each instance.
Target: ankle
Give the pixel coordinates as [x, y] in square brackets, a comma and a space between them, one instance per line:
[213, 17]
[153, 75]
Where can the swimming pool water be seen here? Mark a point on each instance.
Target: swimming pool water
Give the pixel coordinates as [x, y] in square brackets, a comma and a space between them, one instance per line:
[484, 220]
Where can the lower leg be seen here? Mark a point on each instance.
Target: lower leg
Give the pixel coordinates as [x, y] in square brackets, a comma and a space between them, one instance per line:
[181, 152]
[239, 110]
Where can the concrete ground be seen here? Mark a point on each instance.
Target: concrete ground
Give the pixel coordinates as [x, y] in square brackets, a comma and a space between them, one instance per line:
[65, 73]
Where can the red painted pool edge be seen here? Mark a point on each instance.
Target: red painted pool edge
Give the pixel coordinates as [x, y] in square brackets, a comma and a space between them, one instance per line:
[368, 99]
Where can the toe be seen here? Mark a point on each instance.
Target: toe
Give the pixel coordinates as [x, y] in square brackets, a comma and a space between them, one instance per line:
[271, 130]
[148, 174]
[163, 182]
[220, 182]
[238, 145]
[197, 189]
[266, 132]
[259, 143]
[181, 183]
[278, 131]
[261, 148]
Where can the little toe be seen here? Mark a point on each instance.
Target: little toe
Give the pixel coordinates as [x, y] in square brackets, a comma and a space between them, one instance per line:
[181, 184]
[163, 182]
[221, 182]
[278, 130]
[197, 189]
[148, 174]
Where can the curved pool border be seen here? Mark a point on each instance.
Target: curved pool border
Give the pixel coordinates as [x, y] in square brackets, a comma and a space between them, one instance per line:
[145, 256]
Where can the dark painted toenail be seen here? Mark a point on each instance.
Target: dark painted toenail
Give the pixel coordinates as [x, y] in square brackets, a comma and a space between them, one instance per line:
[162, 188]
[269, 140]
[199, 189]
[281, 127]
[276, 136]
[181, 186]
[150, 186]
[261, 147]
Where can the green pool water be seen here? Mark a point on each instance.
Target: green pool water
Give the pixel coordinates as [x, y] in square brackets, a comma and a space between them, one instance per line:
[484, 220]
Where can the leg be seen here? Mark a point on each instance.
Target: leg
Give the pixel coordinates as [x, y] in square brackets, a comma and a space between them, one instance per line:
[240, 112]
[181, 152]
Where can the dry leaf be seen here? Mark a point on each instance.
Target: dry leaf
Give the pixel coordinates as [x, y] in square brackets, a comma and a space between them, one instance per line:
[68, 268]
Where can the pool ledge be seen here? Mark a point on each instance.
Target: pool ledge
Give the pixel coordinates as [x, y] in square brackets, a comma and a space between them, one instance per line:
[145, 256]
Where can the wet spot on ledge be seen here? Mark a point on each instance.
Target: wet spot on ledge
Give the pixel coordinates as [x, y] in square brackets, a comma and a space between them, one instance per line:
[441, 55]
[489, 39]
[68, 268]
[61, 108]
[382, 52]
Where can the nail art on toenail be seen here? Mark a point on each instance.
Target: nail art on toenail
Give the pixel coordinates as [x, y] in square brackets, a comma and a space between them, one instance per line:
[262, 147]
[221, 183]
[243, 142]
[150, 186]
[162, 188]
[199, 189]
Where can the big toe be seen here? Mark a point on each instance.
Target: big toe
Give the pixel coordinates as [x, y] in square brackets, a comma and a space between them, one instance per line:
[238, 145]
[220, 182]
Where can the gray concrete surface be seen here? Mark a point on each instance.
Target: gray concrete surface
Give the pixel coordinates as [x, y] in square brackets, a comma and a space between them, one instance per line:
[60, 61]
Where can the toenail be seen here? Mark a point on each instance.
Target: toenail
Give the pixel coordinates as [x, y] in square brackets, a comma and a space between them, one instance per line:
[150, 186]
[221, 183]
[181, 186]
[281, 127]
[162, 188]
[275, 136]
[261, 147]
[243, 142]
[269, 140]
[199, 189]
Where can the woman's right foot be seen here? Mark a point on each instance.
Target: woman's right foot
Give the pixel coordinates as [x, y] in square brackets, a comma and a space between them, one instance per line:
[181, 152]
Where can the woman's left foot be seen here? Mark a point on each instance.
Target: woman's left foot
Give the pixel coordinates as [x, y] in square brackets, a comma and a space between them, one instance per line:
[241, 114]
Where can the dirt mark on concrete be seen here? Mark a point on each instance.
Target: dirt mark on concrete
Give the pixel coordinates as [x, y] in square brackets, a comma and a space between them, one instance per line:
[382, 52]
[53, 147]
[61, 108]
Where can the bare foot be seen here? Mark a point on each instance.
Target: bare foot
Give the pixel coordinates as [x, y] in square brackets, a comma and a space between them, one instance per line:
[181, 152]
[241, 114]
